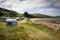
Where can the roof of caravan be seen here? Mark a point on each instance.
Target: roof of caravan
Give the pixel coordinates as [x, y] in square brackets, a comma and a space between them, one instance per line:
[11, 20]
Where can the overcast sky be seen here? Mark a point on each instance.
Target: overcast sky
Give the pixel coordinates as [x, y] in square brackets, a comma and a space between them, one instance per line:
[48, 7]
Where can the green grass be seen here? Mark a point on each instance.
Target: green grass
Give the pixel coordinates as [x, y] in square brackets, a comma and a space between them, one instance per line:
[44, 29]
[27, 31]
[12, 33]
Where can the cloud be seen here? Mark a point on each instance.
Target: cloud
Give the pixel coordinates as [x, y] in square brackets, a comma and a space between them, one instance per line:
[26, 4]
[21, 0]
[2, 1]
[52, 12]
[50, 6]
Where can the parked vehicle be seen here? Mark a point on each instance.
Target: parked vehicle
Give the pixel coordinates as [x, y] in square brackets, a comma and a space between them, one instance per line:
[3, 19]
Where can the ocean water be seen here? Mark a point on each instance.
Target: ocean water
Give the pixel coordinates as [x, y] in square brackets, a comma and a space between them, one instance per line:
[56, 20]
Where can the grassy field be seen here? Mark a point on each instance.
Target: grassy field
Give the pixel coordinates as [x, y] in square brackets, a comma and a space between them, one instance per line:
[27, 31]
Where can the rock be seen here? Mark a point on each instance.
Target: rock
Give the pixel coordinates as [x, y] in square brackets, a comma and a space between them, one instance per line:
[56, 28]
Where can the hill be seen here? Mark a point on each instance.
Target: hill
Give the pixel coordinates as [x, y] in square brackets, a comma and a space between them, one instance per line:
[56, 16]
[11, 13]
[35, 15]
[38, 15]
[8, 13]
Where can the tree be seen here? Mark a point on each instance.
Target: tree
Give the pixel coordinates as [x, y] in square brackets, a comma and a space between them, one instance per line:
[26, 14]
[1, 14]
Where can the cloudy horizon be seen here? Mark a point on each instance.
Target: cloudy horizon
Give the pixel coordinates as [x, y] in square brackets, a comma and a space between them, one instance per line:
[47, 7]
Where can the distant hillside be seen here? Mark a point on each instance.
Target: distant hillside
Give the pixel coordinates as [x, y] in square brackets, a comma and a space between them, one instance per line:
[8, 13]
[38, 15]
[57, 17]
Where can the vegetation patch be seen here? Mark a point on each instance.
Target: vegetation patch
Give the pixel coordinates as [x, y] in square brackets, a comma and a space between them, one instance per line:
[27, 31]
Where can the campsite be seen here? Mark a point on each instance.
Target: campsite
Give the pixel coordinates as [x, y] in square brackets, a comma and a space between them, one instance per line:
[15, 26]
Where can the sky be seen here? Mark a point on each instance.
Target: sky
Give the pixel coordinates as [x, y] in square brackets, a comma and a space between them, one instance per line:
[47, 7]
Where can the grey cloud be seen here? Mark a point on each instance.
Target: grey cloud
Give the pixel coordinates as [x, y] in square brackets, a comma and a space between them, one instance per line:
[40, 4]
[2, 1]
[54, 2]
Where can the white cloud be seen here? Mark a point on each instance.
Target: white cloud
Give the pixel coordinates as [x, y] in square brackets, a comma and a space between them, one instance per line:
[21, 6]
[53, 12]
[49, 10]
[25, 4]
